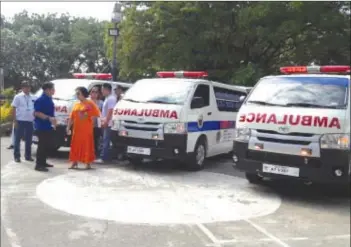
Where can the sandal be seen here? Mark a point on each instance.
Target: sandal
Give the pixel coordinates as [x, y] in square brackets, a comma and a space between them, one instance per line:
[73, 166]
[87, 167]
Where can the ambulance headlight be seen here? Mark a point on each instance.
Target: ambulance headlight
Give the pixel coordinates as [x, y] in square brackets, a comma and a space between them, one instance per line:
[335, 141]
[242, 134]
[116, 124]
[174, 128]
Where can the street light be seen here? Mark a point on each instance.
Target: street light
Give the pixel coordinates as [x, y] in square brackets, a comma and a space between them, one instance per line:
[116, 18]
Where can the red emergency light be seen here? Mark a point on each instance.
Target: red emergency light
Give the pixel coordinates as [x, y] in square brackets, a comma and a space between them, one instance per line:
[97, 76]
[182, 74]
[335, 69]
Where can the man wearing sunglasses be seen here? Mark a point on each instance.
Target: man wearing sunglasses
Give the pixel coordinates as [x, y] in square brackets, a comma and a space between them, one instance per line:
[106, 123]
[95, 97]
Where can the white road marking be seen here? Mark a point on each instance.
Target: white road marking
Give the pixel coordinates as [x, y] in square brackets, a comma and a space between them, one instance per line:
[337, 237]
[209, 234]
[265, 232]
[12, 177]
[8, 170]
[233, 241]
[142, 197]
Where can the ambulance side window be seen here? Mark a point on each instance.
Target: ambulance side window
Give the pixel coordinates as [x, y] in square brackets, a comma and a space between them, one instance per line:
[202, 93]
[228, 100]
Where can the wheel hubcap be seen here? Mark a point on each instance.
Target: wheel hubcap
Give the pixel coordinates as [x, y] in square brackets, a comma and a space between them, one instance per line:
[200, 155]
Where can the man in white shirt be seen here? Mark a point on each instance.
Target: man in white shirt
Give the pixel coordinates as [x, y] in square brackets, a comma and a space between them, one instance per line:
[13, 132]
[106, 120]
[23, 115]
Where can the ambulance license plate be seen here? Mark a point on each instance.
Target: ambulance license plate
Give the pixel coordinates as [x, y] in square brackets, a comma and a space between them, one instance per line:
[282, 170]
[34, 139]
[138, 150]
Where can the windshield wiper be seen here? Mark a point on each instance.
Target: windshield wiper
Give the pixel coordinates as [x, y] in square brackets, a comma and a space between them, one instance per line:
[313, 105]
[158, 102]
[132, 100]
[258, 102]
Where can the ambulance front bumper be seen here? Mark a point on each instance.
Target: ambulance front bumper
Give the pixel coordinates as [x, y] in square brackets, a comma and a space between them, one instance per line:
[173, 146]
[324, 169]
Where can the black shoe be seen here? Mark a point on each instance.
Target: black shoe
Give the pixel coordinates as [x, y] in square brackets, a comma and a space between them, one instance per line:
[48, 165]
[17, 160]
[41, 169]
[10, 147]
[30, 159]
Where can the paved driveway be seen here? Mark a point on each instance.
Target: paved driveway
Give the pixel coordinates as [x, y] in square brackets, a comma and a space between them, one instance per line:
[160, 206]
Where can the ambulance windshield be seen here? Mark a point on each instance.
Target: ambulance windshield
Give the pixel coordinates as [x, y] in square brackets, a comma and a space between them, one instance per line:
[65, 88]
[314, 92]
[160, 91]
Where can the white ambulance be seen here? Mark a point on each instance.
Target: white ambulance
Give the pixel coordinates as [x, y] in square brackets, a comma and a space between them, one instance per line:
[65, 98]
[296, 125]
[178, 116]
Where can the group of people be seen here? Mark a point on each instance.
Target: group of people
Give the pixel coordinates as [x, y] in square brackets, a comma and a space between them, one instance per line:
[89, 123]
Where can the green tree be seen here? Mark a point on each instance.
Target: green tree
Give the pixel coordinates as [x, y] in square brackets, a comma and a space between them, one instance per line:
[236, 42]
[43, 47]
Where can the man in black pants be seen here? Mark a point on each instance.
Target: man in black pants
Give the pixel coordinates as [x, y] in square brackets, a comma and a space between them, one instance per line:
[44, 123]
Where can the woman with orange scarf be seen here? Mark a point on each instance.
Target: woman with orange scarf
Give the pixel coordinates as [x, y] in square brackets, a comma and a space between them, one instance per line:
[82, 142]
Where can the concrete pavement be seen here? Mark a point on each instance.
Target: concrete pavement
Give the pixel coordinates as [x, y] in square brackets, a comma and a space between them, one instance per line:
[114, 205]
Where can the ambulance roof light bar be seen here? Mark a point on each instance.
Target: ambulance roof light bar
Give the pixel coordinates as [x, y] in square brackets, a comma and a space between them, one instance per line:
[97, 76]
[327, 69]
[182, 74]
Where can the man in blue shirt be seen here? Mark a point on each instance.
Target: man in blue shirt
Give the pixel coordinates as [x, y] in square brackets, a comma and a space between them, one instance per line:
[44, 123]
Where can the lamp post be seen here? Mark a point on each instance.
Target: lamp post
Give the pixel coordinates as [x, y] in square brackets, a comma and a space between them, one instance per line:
[116, 18]
[2, 86]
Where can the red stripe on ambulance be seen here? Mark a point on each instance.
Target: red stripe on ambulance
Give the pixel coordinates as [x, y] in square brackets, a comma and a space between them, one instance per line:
[61, 109]
[146, 113]
[304, 120]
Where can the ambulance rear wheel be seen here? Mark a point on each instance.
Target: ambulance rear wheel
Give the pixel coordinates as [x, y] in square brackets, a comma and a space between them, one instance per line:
[253, 178]
[197, 159]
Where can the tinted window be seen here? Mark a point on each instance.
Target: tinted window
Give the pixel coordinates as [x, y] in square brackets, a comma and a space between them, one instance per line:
[319, 92]
[228, 100]
[203, 91]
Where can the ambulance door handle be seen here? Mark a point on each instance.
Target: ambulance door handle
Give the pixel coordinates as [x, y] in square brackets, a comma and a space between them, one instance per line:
[209, 113]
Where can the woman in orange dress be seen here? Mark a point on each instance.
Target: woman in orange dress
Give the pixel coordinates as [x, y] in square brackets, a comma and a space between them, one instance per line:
[82, 142]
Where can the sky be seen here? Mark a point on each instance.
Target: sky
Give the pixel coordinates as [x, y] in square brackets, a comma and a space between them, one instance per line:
[98, 10]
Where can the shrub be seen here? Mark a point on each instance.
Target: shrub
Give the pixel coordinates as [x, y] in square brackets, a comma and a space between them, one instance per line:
[9, 93]
[5, 113]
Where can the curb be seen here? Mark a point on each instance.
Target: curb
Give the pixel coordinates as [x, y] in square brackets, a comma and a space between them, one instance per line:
[5, 128]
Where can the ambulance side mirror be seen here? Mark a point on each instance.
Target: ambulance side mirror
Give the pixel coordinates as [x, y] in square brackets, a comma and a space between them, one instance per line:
[242, 98]
[197, 102]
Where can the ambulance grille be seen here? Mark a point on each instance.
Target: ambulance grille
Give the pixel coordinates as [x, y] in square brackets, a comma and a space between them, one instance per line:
[146, 126]
[145, 143]
[296, 142]
[146, 123]
[288, 134]
[140, 128]
[284, 159]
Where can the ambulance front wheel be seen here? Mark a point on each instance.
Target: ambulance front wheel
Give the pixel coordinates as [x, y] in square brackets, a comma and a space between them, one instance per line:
[197, 159]
[253, 178]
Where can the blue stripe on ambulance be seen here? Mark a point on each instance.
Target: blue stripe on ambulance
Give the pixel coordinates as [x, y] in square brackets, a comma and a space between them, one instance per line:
[210, 125]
